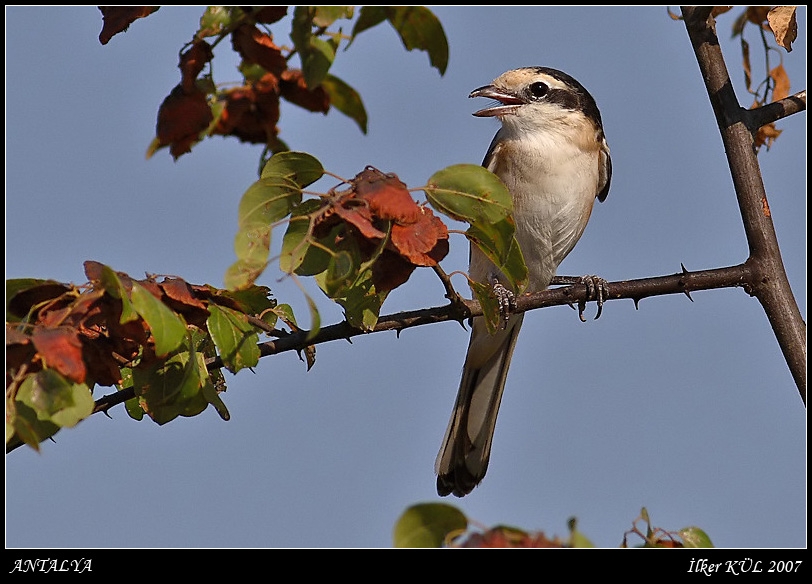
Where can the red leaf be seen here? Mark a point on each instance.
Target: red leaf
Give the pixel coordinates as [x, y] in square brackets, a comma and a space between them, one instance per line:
[61, 350]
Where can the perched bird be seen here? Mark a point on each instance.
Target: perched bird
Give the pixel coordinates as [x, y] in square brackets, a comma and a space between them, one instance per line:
[552, 155]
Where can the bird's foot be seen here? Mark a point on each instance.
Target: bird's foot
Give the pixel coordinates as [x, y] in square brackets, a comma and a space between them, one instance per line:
[504, 297]
[597, 289]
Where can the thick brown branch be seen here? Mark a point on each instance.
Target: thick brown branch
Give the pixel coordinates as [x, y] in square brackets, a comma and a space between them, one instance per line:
[772, 112]
[769, 281]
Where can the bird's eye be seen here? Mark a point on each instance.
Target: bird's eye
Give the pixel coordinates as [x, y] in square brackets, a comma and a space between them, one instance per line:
[538, 89]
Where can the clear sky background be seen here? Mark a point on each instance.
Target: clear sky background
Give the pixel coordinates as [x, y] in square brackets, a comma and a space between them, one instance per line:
[685, 408]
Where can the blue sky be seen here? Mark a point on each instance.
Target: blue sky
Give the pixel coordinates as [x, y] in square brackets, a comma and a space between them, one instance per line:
[685, 408]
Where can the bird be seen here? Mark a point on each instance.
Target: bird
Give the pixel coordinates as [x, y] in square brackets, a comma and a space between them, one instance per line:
[552, 155]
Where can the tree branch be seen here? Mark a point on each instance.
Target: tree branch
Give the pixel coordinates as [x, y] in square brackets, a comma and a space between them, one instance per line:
[768, 280]
[680, 283]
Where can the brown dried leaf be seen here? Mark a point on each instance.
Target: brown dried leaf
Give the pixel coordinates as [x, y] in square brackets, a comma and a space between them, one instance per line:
[717, 10]
[766, 135]
[178, 290]
[251, 112]
[267, 14]
[258, 48]
[391, 270]
[293, 88]
[757, 14]
[424, 242]
[387, 196]
[746, 65]
[359, 216]
[192, 63]
[181, 119]
[783, 24]
[61, 350]
[118, 18]
[781, 83]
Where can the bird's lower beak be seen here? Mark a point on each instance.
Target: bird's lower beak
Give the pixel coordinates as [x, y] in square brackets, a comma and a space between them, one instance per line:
[508, 103]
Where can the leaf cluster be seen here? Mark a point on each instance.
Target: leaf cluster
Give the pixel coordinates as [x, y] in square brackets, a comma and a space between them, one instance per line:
[442, 525]
[366, 236]
[154, 336]
[160, 337]
[198, 107]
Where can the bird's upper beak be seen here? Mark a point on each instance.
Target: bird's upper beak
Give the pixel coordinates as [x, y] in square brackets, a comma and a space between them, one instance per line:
[508, 103]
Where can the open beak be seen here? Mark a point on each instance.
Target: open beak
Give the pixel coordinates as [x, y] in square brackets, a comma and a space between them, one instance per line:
[508, 103]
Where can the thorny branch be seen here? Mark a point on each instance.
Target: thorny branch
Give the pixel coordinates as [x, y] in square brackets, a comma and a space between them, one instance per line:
[767, 279]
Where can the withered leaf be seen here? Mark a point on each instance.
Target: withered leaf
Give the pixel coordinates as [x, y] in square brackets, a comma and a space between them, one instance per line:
[781, 82]
[258, 48]
[118, 19]
[387, 196]
[192, 62]
[181, 119]
[424, 242]
[293, 88]
[783, 24]
[61, 350]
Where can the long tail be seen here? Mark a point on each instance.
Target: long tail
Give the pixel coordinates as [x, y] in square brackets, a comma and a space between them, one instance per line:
[463, 458]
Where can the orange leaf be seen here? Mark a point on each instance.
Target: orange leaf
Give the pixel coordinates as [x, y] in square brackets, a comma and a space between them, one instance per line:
[387, 196]
[360, 218]
[781, 79]
[423, 243]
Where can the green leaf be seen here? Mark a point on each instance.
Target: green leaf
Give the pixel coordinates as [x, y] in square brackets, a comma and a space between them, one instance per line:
[26, 425]
[299, 167]
[268, 200]
[369, 16]
[168, 328]
[324, 16]
[214, 21]
[55, 399]
[497, 241]
[417, 27]
[316, 54]
[318, 60]
[114, 287]
[298, 255]
[265, 202]
[234, 337]
[420, 29]
[171, 388]
[467, 192]
[577, 539]
[693, 537]
[242, 274]
[427, 525]
[483, 292]
[346, 100]
[253, 300]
